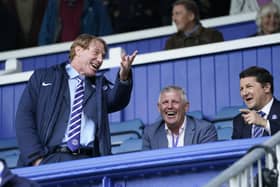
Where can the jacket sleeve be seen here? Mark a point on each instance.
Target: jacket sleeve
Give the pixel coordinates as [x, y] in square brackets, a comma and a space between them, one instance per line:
[146, 145]
[169, 44]
[236, 134]
[217, 36]
[26, 128]
[208, 133]
[119, 96]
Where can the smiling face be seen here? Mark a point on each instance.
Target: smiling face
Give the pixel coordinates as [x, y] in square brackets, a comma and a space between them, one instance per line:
[270, 23]
[87, 61]
[254, 94]
[173, 108]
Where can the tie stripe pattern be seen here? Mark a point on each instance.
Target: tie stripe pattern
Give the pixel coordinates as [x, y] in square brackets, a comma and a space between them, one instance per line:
[73, 140]
[258, 130]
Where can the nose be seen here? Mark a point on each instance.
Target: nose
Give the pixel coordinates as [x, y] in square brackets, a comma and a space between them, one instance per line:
[244, 92]
[100, 58]
[169, 105]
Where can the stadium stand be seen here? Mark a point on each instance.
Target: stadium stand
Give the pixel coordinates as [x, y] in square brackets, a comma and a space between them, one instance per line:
[209, 74]
[122, 132]
[9, 151]
[223, 121]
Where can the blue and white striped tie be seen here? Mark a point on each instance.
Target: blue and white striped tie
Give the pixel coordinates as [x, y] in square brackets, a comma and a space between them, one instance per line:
[257, 129]
[73, 139]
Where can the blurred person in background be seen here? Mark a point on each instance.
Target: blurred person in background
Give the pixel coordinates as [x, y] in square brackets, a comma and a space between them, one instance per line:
[244, 6]
[9, 30]
[190, 32]
[27, 17]
[268, 19]
[64, 20]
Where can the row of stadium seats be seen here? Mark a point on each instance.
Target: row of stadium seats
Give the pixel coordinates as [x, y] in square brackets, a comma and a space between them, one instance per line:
[127, 136]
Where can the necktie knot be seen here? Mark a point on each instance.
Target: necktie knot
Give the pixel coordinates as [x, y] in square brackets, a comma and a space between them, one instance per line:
[261, 113]
[80, 80]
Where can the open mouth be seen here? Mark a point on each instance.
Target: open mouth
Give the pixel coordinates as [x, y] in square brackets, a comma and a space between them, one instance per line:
[248, 99]
[94, 66]
[171, 113]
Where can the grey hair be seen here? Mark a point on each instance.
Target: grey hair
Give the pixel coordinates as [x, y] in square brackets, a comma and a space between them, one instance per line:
[174, 88]
[264, 10]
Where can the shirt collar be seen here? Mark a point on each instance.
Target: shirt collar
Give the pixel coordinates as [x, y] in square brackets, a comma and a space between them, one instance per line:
[72, 73]
[182, 128]
[267, 107]
[188, 33]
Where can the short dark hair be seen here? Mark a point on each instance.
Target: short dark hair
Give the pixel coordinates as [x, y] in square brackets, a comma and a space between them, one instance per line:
[262, 75]
[191, 6]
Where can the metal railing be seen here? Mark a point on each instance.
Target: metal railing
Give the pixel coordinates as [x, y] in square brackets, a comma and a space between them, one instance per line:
[243, 173]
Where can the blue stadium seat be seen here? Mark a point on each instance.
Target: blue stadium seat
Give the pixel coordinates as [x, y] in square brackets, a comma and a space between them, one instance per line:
[121, 131]
[223, 121]
[9, 151]
[130, 145]
[196, 114]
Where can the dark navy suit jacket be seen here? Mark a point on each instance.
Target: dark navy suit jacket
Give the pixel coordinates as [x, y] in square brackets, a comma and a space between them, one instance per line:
[196, 132]
[44, 108]
[242, 130]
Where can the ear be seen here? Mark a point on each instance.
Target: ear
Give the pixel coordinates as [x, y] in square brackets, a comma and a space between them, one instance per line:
[187, 106]
[191, 16]
[267, 87]
[158, 107]
[78, 50]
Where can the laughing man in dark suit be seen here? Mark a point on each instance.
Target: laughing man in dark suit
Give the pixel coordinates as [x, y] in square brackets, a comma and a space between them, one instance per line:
[262, 116]
[176, 129]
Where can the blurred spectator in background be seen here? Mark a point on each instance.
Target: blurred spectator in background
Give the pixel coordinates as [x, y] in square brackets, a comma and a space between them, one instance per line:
[204, 8]
[268, 19]
[27, 17]
[131, 15]
[243, 6]
[185, 15]
[219, 8]
[9, 29]
[64, 20]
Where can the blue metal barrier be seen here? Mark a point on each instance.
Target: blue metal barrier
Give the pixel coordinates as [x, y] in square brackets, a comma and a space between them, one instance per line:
[191, 165]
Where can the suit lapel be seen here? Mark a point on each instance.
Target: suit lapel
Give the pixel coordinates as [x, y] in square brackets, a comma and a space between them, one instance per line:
[274, 110]
[160, 136]
[189, 131]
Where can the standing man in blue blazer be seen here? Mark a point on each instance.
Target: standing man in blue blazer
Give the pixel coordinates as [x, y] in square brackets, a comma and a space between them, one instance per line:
[63, 111]
[262, 117]
[176, 129]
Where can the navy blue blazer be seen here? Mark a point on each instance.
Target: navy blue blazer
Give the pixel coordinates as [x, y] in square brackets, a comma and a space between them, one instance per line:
[44, 108]
[196, 132]
[243, 130]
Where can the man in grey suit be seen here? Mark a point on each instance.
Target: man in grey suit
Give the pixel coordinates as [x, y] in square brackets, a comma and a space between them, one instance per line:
[176, 129]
